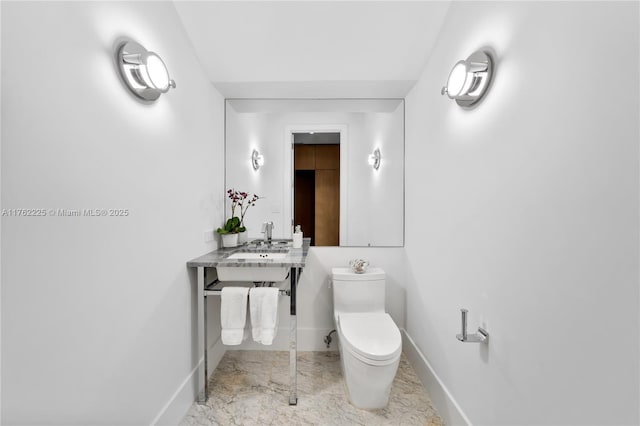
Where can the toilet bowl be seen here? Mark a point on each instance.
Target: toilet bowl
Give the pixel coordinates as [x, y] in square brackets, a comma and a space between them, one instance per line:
[369, 341]
[370, 348]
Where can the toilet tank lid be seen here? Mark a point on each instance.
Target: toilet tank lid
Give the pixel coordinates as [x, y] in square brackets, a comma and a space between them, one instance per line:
[347, 274]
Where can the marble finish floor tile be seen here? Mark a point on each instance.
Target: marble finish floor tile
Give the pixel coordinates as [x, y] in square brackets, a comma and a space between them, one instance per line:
[252, 388]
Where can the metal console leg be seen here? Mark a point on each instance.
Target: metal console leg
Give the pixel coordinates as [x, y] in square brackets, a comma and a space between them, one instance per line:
[293, 340]
[202, 337]
[206, 357]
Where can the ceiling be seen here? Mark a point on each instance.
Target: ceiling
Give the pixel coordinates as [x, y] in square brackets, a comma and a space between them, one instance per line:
[280, 106]
[312, 49]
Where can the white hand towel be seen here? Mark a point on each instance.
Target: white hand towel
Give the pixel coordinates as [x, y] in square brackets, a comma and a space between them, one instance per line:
[256, 296]
[269, 315]
[263, 307]
[233, 314]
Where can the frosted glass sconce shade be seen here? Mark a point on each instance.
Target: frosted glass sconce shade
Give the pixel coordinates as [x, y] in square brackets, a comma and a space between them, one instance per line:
[469, 79]
[374, 159]
[257, 159]
[144, 72]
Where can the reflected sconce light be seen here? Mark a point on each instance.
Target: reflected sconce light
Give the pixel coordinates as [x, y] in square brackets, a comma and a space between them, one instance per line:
[469, 79]
[374, 159]
[257, 159]
[144, 72]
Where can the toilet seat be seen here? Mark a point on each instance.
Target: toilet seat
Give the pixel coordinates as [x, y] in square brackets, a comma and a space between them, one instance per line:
[372, 337]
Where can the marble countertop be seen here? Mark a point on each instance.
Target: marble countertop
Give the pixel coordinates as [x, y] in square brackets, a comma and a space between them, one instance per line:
[295, 258]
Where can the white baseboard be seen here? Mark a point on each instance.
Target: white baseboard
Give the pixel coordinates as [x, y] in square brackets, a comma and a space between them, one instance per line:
[174, 410]
[442, 399]
[214, 355]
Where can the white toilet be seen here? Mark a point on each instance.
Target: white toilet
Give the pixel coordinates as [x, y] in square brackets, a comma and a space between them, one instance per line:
[369, 341]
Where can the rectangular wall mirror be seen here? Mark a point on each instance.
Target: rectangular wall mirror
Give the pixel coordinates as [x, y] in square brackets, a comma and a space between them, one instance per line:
[334, 167]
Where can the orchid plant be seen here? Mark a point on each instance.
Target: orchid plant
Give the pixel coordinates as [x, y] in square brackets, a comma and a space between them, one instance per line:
[241, 201]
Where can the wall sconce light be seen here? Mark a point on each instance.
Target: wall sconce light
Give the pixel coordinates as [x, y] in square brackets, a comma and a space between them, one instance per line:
[144, 73]
[374, 159]
[469, 79]
[257, 159]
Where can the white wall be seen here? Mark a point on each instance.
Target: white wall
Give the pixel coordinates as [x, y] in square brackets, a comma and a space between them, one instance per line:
[375, 199]
[98, 313]
[525, 211]
[373, 210]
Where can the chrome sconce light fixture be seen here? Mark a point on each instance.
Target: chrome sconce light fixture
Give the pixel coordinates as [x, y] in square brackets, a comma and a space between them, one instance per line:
[144, 73]
[469, 79]
[257, 159]
[374, 159]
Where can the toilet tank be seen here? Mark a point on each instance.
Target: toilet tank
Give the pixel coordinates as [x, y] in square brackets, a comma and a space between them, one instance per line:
[358, 292]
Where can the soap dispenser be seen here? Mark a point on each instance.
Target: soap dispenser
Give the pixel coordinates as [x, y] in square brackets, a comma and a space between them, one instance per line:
[297, 237]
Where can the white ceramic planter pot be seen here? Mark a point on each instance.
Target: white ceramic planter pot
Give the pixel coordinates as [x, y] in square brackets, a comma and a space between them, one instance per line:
[229, 240]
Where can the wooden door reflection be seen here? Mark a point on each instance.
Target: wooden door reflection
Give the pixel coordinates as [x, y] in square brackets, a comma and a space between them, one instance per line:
[317, 192]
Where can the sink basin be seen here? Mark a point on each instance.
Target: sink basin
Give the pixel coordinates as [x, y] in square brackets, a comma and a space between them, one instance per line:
[242, 271]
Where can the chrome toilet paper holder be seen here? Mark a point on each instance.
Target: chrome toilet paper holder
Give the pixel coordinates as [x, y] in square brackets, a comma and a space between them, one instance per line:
[482, 336]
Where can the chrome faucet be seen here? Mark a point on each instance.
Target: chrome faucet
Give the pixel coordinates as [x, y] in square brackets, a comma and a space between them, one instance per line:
[267, 230]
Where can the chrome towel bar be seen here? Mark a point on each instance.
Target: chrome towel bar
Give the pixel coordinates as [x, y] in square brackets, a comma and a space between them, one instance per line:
[214, 289]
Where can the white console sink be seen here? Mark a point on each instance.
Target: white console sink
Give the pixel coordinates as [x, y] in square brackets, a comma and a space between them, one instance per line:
[262, 271]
